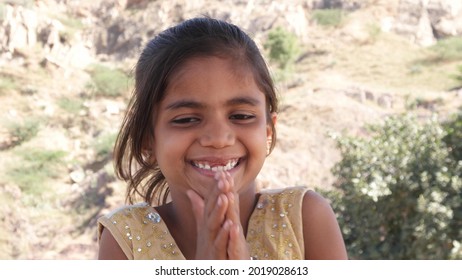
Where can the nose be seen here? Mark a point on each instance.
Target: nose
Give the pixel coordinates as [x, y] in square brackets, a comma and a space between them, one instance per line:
[217, 134]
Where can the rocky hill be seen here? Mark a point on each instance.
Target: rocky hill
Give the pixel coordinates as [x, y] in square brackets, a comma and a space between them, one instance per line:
[65, 79]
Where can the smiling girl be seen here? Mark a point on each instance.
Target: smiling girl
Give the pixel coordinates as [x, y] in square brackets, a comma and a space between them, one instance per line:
[197, 131]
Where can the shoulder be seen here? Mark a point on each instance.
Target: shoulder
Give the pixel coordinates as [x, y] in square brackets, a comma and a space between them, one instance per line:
[321, 232]
[125, 217]
[276, 227]
[284, 193]
[314, 204]
[114, 230]
[109, 247]
[286, 200]
[127, 210]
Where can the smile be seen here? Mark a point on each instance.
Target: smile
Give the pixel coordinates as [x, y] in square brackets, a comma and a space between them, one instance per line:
[230, 164]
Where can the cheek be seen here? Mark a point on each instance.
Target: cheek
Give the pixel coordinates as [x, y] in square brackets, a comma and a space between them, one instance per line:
[257, 140]
[167, 147]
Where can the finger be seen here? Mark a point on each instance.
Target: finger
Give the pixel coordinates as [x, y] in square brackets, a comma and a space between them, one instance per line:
[232, 214]
[216, 205]
[222, 240]
[228, 191]
[233, 208]
[215, 248]
[223, 176]
[212, 198]
[237, 245]
[217, 217]
[229, 180]
[233, 197]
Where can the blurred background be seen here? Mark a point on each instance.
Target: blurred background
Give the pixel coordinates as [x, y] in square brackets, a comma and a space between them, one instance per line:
[371, 96]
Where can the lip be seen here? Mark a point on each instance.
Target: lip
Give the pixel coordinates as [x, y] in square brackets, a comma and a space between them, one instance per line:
[214, 162]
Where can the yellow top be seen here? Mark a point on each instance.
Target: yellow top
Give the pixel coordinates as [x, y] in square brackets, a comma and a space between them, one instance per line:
[275, 229]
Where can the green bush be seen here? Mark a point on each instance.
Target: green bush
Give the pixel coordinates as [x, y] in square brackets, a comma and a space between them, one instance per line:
[453, 138]
[458, 75]
[108, 82]
[104, 145]
[328, 17]
[283, 47]
[398, 193]
[449, 49]
[7, 84]
[23, 131]
[35, 168]
[374, 31]
[70, 105]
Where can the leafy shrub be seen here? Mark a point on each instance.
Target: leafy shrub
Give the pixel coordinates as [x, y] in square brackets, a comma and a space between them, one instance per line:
[374, 31]
[7, 84]
[449, 49]
[399, 192]
[108, 82]
[21, 132]
[423, 102]
[328, 17]
[283, 47]
[458, 76]
[35, 168]
[70, 105]
[453, 138]
[104, 144]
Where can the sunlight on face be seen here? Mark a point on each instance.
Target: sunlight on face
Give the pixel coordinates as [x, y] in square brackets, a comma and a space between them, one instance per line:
[213, 117]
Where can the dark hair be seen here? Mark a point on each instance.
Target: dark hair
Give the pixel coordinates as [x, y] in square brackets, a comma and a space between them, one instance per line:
[160, 58]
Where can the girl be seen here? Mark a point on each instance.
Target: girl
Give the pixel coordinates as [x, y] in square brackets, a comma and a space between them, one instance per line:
[195, 136]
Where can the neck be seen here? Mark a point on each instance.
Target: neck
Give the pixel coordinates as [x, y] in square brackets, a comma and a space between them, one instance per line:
[181, 224]
[247, 201]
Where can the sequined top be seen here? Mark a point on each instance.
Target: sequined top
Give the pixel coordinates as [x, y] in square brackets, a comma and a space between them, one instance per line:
[275, 229]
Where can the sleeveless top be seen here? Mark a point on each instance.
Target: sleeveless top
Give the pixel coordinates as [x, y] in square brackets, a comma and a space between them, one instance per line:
[275, 229]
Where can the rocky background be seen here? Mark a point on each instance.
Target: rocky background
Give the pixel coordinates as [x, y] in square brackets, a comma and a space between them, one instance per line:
[65, 79]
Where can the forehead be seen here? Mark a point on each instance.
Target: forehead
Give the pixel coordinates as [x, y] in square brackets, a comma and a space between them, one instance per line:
[238, 66]
[210, 70]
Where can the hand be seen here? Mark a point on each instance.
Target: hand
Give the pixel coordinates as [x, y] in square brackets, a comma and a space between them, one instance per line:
[219, 230]
[237, 246]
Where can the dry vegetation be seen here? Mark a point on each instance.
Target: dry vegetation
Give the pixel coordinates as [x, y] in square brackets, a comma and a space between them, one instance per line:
[57, 128]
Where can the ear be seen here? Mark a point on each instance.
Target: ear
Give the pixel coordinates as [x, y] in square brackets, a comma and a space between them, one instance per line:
[147, 148]
[269, 131]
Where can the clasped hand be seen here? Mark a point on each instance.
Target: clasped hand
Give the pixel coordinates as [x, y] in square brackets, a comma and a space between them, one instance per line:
[219, 231]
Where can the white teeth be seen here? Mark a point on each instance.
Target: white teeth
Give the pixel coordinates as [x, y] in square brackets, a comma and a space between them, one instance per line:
[230, 165]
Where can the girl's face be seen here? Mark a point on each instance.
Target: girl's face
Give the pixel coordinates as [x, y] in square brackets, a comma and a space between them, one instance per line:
[213, 117]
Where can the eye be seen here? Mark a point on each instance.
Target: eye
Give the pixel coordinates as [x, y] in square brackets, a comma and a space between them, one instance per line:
[242, 117]
[185, 120]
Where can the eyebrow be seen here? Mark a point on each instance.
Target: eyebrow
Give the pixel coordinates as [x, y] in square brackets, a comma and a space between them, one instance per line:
[185, 104]
[198, 105]
[243, 101]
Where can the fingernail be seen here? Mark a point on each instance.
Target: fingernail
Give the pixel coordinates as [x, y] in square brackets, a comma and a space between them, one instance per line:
[227, 224]
[221, 185]
[219, 201]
